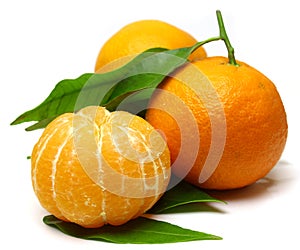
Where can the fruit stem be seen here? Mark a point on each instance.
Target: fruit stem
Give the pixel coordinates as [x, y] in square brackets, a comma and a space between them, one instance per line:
[224, 37]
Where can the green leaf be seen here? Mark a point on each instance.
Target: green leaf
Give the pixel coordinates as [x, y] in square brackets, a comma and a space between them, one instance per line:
[180, 195]
[138, 231]
[146, 71]
[61, 100]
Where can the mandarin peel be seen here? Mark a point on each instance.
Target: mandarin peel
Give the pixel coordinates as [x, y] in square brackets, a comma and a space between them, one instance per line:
[137, 37]
[253, 113]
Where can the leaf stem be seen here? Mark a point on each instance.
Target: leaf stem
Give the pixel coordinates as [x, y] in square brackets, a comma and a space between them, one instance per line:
[224, 37]
[199, 44]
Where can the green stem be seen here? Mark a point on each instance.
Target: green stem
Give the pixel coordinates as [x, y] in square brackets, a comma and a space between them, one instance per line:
[212, 39]
[224, 37]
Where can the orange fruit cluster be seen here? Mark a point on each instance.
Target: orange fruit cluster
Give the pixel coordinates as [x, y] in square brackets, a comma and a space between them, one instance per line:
[95, 167]
[220, 126]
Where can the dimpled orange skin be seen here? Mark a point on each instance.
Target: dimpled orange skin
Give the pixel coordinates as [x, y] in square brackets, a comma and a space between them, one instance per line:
[63, 185]
[256, 123]
[139, 36]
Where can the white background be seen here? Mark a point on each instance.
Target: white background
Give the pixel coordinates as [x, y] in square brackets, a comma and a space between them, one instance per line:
[43, 42]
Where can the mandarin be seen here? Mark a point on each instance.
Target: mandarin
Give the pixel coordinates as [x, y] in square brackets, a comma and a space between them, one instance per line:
[240, 121]
[139, 36]
[94, 167]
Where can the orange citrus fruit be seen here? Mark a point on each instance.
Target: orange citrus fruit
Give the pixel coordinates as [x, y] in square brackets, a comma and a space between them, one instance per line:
[139, 36]
[240, 122]
[95, 167]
